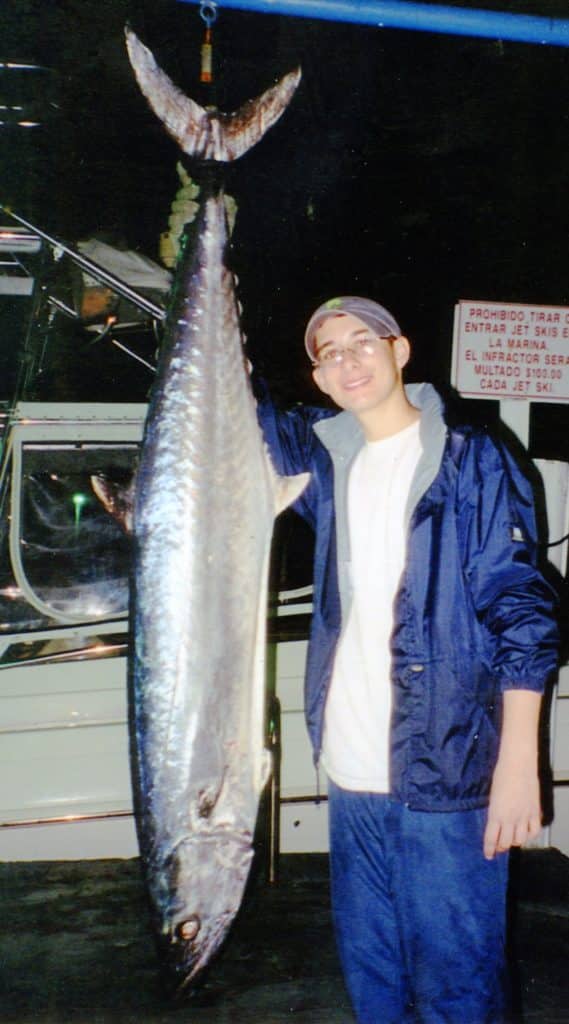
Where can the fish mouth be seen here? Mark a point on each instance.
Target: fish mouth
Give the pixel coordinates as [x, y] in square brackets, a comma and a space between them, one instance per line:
[190, 935]
[184, 960]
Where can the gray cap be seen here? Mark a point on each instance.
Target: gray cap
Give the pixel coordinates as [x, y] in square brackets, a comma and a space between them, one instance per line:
[371, 313]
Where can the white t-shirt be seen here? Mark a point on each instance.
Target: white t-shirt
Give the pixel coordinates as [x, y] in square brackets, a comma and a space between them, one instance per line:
[356, 727]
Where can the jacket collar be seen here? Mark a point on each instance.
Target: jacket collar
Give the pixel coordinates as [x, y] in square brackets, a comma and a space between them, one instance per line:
[343, 436]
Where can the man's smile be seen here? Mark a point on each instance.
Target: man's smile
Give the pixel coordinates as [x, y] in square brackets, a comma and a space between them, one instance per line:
[357, 382]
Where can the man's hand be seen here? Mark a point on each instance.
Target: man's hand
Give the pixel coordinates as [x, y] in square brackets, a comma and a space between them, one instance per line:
[514, 813]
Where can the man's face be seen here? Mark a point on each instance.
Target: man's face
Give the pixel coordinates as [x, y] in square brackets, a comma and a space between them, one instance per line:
[369, 373]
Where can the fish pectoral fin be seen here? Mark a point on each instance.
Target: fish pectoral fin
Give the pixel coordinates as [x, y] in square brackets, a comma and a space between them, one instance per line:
[288, 489]
[117, 499]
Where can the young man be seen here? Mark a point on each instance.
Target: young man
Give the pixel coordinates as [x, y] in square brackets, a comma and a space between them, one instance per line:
[433, 635]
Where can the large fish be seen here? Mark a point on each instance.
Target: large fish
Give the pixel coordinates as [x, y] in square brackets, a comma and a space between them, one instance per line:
[205, 501]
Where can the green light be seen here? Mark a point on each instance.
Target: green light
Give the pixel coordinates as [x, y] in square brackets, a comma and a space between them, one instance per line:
[79, 500]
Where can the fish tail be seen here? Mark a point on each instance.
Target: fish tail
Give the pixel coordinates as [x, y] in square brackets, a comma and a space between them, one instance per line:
[207, 134]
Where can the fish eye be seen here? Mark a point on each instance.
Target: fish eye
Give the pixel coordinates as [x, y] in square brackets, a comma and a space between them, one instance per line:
[188, 930]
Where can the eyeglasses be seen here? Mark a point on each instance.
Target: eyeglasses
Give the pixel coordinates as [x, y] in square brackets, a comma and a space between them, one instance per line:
[360, 348]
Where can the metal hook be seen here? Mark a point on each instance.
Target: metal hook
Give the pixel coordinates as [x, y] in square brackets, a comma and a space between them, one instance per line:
[208, 11]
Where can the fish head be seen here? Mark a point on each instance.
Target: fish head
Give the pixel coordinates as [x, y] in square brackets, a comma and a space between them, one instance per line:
[208, 875]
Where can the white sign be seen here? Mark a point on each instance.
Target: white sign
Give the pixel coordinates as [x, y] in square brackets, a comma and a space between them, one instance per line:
[506, 350]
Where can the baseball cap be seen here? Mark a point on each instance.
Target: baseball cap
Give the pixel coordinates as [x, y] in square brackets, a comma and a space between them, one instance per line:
[371, 313]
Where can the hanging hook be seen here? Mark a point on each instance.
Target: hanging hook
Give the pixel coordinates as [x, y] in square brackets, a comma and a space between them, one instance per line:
[208, 11]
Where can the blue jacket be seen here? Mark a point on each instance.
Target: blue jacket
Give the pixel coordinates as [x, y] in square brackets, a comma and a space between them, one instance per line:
[473, 614]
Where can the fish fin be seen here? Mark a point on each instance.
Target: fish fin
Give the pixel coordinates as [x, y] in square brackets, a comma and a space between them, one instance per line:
[115, 498]
[206, 134]
[244, 128]
[288, 488]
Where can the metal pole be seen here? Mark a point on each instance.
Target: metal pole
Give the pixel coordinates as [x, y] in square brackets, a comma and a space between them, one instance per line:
[274, 795]
[461, 21]
[93, 268]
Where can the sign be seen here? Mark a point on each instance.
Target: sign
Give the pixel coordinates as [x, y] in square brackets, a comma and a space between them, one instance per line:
[506, 350]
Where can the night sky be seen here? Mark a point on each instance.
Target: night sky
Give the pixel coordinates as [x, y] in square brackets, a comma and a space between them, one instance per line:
[415, 168]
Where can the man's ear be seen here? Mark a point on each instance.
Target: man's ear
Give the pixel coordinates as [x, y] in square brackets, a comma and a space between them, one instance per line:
[401, 351]
[319, 379]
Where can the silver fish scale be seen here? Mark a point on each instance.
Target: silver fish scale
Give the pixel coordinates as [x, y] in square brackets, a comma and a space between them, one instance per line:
[203, 522]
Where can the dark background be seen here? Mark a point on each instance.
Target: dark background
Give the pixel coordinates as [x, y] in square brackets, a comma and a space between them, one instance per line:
[415, 168]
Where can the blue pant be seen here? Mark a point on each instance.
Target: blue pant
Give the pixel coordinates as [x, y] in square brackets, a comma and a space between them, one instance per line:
[419, 914]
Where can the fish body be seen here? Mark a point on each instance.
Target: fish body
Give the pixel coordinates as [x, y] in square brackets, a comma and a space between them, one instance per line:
[205, 501]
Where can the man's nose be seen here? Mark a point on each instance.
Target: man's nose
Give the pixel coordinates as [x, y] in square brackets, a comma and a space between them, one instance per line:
[351, 356]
